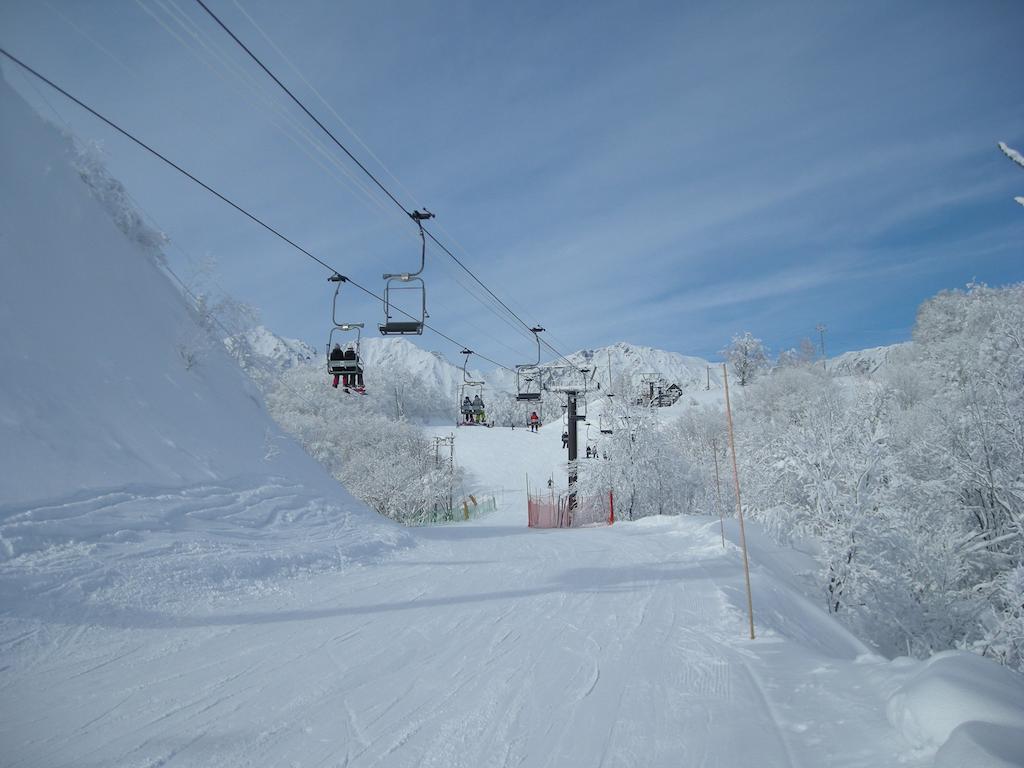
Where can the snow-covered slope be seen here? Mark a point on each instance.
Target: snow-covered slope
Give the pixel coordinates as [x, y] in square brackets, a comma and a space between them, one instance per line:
[271, 353]
[398, 354]
[125, 429]
[136, 468]
[865, 362]
[636, 362]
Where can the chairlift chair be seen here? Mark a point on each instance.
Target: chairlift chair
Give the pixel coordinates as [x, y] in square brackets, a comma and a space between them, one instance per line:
[468, 388]
[529, 377]
[407, 281]
[340, 367]
[604, 420]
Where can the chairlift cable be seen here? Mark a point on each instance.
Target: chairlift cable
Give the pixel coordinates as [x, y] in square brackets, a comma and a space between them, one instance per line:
[233, 74]
[301, 106]
[366, 170]
[218, 195]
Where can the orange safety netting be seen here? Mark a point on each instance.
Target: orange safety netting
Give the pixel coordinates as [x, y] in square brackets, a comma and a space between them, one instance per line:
[552, 512]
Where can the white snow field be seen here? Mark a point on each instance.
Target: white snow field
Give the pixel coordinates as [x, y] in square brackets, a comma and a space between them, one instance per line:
[181, 586]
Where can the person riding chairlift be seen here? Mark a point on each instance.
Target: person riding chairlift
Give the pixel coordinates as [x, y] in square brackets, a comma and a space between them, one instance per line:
[478, 409]
[337, 354]
[467, 410]
[355, 378]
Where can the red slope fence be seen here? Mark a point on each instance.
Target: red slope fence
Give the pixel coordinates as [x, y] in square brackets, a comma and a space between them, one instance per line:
[552, 511]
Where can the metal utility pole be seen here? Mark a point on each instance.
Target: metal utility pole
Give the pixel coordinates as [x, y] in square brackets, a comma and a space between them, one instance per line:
[821, 328]
[571, 395]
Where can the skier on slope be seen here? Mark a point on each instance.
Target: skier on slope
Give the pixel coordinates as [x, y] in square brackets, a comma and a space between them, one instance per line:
[534, 421]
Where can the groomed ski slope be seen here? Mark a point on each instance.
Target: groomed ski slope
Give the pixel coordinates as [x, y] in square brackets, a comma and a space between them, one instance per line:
[181, 586]
[485, 644]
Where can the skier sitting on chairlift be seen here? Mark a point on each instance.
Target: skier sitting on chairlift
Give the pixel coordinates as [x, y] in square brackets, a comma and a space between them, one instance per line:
[478, 410]
[337, 354]
[565, 439]
[467, 410]
[355, 378]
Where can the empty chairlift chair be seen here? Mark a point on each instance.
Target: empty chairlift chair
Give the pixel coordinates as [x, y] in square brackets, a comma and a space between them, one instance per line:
[412, 322]
[529, 378]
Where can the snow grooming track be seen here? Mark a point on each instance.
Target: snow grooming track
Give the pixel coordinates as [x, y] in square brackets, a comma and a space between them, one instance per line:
[485, 645]
[127, 546]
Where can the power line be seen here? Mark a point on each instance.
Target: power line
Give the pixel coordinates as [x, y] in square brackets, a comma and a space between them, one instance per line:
[365, 170]
[227, 200]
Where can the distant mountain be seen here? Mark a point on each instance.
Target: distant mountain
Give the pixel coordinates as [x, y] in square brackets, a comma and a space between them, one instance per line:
[865, 362]
[633, 365]
[261, 346]
[394, 354]
[626, 368]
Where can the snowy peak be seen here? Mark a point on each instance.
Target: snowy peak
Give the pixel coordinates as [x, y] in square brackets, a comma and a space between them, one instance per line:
[262, 347]
[629, 365]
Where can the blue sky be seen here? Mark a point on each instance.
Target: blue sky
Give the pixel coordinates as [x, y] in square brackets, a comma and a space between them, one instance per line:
[666, 174]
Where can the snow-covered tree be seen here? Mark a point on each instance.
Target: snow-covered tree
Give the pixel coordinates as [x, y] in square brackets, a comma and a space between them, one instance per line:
[644, 465]
[388, 464]
[746, 356]
[1018, 158]
[909, 484]
[91, 165]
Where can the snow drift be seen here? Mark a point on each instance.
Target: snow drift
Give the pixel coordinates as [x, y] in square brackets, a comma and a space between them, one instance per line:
[124, 428]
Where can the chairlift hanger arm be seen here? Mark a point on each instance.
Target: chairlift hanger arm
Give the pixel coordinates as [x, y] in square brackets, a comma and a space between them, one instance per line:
[419, 217]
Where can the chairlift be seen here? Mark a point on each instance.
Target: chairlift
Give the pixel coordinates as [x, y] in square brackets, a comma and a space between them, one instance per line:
[529, 377]
[407, 281]
[604, 420]
[350, 364]
[591, 445]
[468, 391]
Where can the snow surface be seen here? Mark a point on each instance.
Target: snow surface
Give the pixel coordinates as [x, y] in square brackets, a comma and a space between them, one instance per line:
[865, 362]
[181, 586]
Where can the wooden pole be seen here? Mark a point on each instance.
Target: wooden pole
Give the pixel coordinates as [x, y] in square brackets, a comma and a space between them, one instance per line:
[739, 505]
[718, 490]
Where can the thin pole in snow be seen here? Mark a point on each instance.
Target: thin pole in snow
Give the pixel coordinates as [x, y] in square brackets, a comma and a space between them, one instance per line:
[718, 488]
[739, 505]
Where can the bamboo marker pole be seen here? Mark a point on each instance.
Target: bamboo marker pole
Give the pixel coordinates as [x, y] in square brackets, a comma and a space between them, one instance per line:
[739, 505]
[718, 490]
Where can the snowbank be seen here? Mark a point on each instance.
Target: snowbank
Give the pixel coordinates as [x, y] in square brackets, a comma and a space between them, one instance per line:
[134, 451]
[969, 707]
[982, 745]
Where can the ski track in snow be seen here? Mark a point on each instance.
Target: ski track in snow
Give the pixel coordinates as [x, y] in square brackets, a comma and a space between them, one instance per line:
[485, 645]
